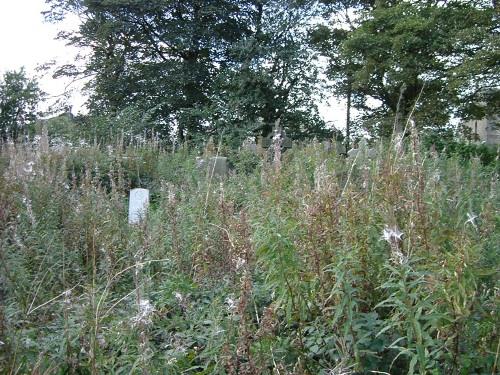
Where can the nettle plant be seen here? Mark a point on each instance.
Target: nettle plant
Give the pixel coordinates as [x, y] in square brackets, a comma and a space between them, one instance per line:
[302, 262]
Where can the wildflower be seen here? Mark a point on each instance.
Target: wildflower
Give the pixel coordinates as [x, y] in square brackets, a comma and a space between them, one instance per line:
[171, 361]
[391, 234]
[178, 297]
[109, 149]
[320, 174]
[29, 209]
[67, 297]
[231, 304]
[471, 217]
[436, 176]
[144, 314]
[276, 147]
[29, 167]
[397, 256]
[171, 194]
[239, 262]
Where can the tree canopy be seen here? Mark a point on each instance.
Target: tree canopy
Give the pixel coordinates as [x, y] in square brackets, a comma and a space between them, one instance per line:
[19, 99]
[435, 58]
[197, 66]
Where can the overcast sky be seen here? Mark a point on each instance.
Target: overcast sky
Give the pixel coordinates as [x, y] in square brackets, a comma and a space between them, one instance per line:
[27, 40]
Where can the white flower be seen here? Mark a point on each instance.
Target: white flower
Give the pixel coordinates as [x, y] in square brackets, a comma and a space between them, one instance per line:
[144, 314]
[67, 297]
[29, 167]
[391, 234]
[239, 262]
[471, 217]
[178, 297]
[231, 304]
[397, 256]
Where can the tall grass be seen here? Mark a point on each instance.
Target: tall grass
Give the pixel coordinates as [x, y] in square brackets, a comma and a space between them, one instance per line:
[310, 264]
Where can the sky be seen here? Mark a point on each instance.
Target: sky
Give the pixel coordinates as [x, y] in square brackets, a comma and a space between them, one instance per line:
[27, 40]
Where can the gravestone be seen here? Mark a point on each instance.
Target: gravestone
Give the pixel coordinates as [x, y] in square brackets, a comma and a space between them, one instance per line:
[249, 145]
[362, 152]
[340, 148]
[352, 153]
[327, 145]
[217, 166]
[138, 205]
[267, 142]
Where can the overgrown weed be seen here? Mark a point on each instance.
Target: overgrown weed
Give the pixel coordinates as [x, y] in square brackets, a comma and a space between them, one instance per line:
[310, 264]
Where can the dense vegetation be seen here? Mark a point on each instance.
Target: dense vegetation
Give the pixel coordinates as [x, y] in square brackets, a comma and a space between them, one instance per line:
[195, 68]
[301, 263]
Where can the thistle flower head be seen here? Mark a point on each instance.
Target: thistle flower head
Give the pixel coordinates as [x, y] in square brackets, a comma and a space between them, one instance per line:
[144, 314]
[391, 234]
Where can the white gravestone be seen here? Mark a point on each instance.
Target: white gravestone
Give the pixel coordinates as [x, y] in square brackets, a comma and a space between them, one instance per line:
[138, 205]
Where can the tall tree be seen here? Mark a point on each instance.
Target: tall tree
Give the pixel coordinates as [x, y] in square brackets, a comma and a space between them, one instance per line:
[273, 72]
[19, 99]
[421, 55]
[191, 63]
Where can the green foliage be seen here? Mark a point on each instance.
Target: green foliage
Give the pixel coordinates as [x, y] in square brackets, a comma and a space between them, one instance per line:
[19, 99]
[428, 58]
[197, 67]
[314, 265]
[447, 144]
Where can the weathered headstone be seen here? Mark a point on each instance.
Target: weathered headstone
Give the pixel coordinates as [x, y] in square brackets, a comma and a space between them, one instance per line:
[363, 151]
[249, 144]
[340, 148]
[352, 153]
[266, 142]
[217, 166]
[327, 145]
[138, 205]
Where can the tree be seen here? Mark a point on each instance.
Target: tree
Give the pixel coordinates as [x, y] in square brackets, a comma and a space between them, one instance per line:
[424, 56]
[19, 99]
[273, 74]
[192, 65]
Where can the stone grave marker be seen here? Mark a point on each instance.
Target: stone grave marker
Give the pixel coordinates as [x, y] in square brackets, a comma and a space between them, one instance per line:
[219, 166]
[138, 205]
[216, 164]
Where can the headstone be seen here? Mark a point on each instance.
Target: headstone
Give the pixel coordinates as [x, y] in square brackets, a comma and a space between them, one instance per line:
[249, 144]
[327, 145]
[138, 205]
[340, 148]
[217, 166]
[352, 153]
[266, 142]
[362, 152]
